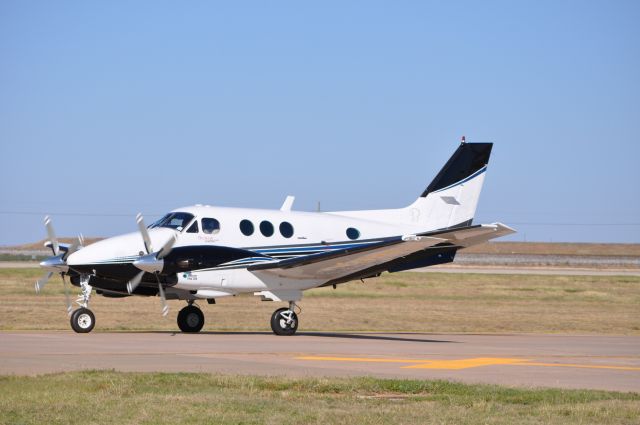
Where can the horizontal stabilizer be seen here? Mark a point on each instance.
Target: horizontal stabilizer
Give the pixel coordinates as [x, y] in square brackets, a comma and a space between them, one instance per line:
[472, 235]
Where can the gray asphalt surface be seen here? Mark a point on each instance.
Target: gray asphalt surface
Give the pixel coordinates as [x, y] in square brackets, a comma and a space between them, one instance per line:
[596, 362]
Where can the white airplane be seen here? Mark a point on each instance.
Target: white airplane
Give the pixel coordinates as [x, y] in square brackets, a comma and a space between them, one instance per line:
[203, 252]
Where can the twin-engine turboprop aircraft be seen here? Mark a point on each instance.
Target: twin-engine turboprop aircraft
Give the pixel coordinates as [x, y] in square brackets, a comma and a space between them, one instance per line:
[203, 252]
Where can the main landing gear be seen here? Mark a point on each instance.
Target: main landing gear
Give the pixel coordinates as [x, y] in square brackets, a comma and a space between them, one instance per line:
[284, 321]
[82, 319]
[190, 319]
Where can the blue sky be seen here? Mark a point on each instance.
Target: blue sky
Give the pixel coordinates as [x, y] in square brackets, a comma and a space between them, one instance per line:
[110, 108]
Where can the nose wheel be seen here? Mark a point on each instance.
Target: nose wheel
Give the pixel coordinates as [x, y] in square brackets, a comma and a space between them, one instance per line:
[82, 320]
[190, 319]
[284, 321]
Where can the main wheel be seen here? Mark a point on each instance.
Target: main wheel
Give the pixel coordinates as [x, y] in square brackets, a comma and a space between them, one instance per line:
[190, 319]
[82, 320]
[284, 322]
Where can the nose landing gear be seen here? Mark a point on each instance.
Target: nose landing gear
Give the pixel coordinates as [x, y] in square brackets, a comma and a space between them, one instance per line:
[82, 319]
[284, 321]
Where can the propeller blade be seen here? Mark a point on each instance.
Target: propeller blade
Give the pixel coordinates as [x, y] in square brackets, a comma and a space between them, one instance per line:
[73, 248]
[163, 300]
[43, 281]
[52, 235]
[166, 249]
[133, 283]
[67, 300]
[144, 233]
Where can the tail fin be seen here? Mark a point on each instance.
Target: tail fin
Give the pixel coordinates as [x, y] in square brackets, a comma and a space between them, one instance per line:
[451, 198]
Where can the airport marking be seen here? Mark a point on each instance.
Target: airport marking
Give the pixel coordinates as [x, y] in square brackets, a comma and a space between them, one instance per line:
[458, 364]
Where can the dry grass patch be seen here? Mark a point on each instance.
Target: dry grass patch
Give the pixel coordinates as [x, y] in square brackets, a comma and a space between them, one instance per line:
[420, 302]
[559, 248]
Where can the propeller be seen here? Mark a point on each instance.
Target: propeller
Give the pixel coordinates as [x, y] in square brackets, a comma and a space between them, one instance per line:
[152, 262]
[67, 299]
[57, 263]
[43, 281]
[144, 233]
[163, 298]
[76, 245]
[52, 235]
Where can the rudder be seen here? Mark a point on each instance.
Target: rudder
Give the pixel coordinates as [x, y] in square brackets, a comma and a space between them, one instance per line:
[451, 198]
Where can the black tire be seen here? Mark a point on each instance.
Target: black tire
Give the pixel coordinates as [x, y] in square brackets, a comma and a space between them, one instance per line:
[82, 320]
[279, 324]
[190, 319]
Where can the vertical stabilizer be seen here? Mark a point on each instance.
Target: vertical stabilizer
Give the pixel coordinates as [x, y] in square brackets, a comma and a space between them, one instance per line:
[451, 198]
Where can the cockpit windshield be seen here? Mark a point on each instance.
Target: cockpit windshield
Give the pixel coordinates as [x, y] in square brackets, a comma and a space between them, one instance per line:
[175, 220]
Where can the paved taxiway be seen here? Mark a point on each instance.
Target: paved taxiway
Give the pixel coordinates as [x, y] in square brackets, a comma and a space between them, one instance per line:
[597, 362]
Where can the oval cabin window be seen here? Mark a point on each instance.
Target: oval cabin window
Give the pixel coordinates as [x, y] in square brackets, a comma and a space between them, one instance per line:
[246, 227]
[266, 228]
[286, 229]
[353, 233]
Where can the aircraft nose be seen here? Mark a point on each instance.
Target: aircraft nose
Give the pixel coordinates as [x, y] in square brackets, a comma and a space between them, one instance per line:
[110, 258]
[86, 255]
[106, 250]
[118, 249]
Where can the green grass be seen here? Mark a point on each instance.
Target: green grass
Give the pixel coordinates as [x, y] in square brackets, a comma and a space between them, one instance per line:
[107, 397]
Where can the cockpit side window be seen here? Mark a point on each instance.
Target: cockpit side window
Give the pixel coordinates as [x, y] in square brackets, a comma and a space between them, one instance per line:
[193, 228]
[176, 220]
[210, 225]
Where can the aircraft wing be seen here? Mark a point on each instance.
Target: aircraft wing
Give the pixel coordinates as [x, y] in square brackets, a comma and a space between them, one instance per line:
[336, 264]
[329, 265]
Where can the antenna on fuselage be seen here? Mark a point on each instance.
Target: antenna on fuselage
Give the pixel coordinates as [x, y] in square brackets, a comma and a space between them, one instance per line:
[318, 207]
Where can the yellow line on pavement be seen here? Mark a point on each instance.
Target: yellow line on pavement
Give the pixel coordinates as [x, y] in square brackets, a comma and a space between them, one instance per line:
[457, 364]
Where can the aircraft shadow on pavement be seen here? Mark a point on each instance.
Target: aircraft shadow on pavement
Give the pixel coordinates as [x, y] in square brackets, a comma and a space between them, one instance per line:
[374, 337]
[377, 336]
